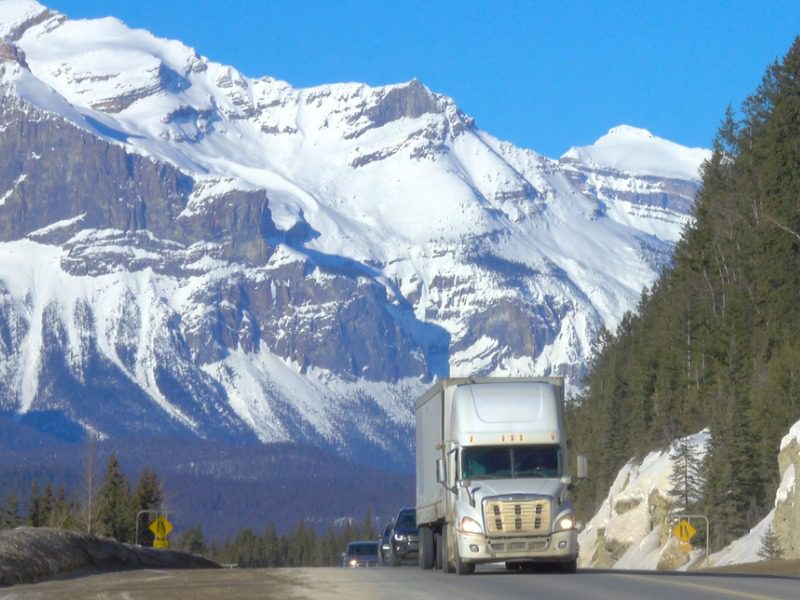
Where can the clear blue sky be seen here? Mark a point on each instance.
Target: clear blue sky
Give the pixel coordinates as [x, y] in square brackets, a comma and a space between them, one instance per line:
[544, 75]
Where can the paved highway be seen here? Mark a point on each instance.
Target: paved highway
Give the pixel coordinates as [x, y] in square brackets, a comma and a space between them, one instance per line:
[407, 583]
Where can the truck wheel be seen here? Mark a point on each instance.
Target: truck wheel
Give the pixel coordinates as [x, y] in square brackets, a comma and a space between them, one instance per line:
[570, 566]
[426, 556]
[462, 568]
[437, 544]
[447, 566]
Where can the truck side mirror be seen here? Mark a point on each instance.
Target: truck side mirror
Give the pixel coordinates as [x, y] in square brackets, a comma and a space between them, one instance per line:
[441, 471]
[583, 467]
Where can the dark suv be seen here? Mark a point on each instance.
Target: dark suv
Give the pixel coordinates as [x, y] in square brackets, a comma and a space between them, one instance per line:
[385, 545]
[404, 542]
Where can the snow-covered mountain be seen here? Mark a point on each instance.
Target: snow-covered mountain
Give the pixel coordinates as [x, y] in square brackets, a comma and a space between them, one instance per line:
[187, 249]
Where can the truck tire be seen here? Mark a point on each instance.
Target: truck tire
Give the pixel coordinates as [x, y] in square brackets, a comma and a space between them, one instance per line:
[437, 544]
[570, 566]
[462, 568]
[426, 556]
[447, 566]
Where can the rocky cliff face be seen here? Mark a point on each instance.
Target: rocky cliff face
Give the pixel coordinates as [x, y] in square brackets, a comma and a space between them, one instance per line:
[786, 522]
[187, 250]
[632, 528]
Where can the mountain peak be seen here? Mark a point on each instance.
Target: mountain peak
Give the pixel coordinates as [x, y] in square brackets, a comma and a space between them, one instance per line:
[634, 150]
[16, 16]
[629, 131]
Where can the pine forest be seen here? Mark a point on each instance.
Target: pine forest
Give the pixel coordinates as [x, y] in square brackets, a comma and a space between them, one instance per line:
[714, 343]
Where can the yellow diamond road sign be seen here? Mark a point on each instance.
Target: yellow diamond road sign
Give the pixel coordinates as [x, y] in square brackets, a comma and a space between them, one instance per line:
[161, 528]
[684, 531]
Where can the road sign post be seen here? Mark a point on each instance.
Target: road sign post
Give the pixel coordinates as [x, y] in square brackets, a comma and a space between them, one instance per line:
[158, 513]
[684, 531]
[160, 528]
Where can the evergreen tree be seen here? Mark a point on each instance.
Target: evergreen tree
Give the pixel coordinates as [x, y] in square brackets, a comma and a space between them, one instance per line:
[192, 541]
[331, 551]
[686, 479]
[148, 496]
[48, 505]
[302, 546]
[116, 507]
[272, 547]
[247, 550]
[60, 511]
[36, 512]
[770, 545]
[11, 517]
[368, 528]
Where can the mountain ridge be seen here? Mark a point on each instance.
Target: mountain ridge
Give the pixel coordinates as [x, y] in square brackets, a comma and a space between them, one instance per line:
[241, 255]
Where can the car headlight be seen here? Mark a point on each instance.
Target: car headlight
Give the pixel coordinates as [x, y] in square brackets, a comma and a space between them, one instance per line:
[567, 522]
[399, 537]
[470, 525]
[353, 562]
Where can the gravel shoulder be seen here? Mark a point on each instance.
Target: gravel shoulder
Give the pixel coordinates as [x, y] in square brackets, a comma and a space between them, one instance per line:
[319, 583]
[788, 568]
[32, 554]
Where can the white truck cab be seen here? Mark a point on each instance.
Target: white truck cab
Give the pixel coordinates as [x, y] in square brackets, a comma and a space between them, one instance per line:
[492, 476]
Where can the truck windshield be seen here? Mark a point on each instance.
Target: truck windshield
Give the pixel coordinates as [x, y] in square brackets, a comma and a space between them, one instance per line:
[511, 461]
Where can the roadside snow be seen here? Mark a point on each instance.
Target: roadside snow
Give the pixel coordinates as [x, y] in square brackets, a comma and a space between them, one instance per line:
[745, 549]
[792, 436]
[627, 517]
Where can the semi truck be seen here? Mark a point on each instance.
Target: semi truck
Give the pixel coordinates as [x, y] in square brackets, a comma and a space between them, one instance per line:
[492, 475]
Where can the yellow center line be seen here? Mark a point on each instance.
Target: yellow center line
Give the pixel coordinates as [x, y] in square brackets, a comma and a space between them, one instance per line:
[675, 580]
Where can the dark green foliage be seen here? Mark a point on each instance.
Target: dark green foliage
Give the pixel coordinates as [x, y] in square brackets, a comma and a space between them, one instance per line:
[368, 527]
[148, 496]
[56, 509]
[10, 516]
[35, 512]
[687, 479]
[770, 546]
[116, 507]
[301, 548]
[715, 342]
[193, 541]
[117, 510]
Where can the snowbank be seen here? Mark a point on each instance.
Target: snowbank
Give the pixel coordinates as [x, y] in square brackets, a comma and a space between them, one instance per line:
[29, 554]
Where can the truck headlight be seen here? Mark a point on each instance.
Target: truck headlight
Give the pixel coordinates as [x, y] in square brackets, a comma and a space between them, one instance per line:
[470, 525]
[399, 537]
[567, 522]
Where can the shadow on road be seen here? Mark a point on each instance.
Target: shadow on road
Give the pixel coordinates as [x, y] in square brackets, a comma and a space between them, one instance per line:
[704, 574]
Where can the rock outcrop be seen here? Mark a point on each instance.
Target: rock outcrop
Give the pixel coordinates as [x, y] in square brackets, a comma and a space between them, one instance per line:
[786, 522]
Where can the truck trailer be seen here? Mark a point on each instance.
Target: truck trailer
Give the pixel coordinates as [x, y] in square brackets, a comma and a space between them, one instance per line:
[492, 475]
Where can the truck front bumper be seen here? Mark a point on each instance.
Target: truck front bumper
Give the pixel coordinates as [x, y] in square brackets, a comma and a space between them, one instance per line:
[561, 546]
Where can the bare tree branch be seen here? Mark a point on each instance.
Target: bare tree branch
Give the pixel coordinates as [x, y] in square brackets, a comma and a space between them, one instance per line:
[784, 227]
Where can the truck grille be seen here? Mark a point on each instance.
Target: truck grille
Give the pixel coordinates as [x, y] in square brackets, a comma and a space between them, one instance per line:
[517, 517]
